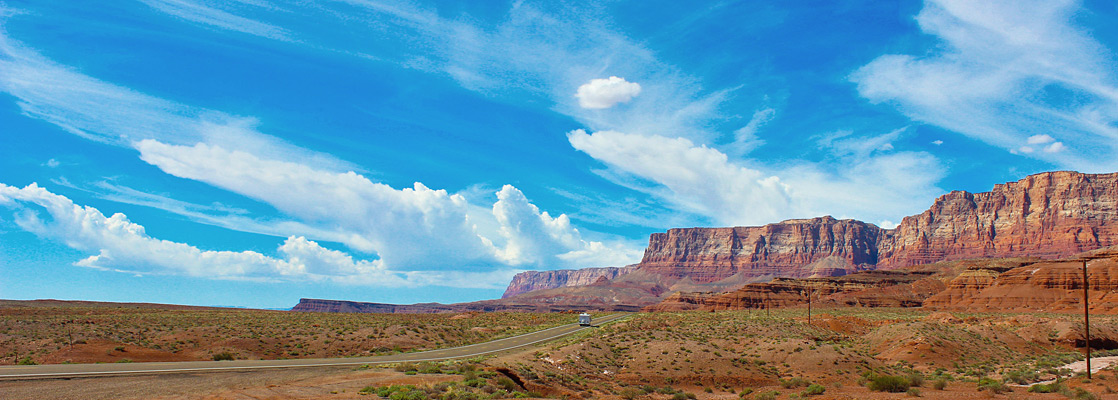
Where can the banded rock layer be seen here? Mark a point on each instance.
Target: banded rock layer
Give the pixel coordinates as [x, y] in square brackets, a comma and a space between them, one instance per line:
[539, 280]
[1047, 215]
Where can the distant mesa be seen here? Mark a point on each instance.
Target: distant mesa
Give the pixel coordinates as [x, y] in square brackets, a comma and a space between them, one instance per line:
[537, 280]
[1046, 216]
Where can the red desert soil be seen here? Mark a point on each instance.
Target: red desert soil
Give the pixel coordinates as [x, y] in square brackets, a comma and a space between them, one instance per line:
[710, 355]
[53, 332]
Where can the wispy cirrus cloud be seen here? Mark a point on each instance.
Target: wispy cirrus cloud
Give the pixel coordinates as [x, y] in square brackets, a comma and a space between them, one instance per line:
[1007, 73]
[534, 49]
[866, 179]
[212, 14]
[418, 231]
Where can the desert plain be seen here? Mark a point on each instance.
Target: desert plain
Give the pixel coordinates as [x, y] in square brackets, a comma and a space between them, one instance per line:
[842, 353]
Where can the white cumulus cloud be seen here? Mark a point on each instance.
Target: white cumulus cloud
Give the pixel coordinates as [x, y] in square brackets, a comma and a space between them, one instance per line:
[118, 244]
[606, 93]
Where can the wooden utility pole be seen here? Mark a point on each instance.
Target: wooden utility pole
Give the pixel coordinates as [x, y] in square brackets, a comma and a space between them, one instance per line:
[809, 307]
[1086, 320]
[767, 315]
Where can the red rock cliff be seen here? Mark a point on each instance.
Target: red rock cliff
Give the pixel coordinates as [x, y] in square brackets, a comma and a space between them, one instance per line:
[1047, 215]
[537, 280]
[788, 248]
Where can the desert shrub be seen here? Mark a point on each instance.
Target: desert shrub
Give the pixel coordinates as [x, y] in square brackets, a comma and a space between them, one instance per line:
[505, 383]
[888, 383]
[769, 395]
[1046, 388]
[993, 386]
[226, 356]
[666, 390]
[916, 379]
[395, 392]
[630, 393]
[1082, 394]
[683, 396]
[913, 392]
[939, 384]
[429, 368]
[814, 389]
[405, 367]
[26, 361]
[1022, 377]
[794, 382]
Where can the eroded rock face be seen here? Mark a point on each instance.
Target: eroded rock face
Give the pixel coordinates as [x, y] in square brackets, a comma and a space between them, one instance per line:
[339, 306]
[867, 289]
[788, 249]
[1043, 286]
[1048, 215]
[538, 280]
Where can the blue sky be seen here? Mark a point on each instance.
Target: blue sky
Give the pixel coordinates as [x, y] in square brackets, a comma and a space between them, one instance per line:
[253, 152]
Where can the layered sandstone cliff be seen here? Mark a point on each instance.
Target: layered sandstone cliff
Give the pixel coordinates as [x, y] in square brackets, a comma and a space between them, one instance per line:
[1051, 286]
[866, 289]
[795, 248]
[539, 280]
[1048, 215]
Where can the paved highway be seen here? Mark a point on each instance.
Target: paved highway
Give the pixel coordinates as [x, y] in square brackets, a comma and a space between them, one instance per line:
[53, 371]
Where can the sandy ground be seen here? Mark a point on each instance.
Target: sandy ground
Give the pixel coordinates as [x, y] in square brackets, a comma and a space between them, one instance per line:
[1097, 364]
[311, 383]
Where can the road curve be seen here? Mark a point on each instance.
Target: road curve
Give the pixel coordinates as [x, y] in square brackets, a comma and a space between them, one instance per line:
[54, 371]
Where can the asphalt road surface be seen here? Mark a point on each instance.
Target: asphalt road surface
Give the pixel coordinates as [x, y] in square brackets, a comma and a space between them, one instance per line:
[54, 371]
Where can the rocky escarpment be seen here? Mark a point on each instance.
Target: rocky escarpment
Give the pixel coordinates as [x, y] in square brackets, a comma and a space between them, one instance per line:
[539, 280]
[794, 248]
[319, 305]
[1051, 286]
[1048, 215]
[868, 289]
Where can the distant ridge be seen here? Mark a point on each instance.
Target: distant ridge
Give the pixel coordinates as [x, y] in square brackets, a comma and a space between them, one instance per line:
[1045, 216]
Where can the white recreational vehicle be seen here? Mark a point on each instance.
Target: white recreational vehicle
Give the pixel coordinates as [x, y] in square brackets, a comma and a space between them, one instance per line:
[584, 319]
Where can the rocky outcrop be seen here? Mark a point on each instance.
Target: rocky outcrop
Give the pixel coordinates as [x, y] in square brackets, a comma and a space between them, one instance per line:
[790, 248]
[576, 299]
[868, 289]
[1050, 286]
[340, 306]
[539, 280]
[1048, 215]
